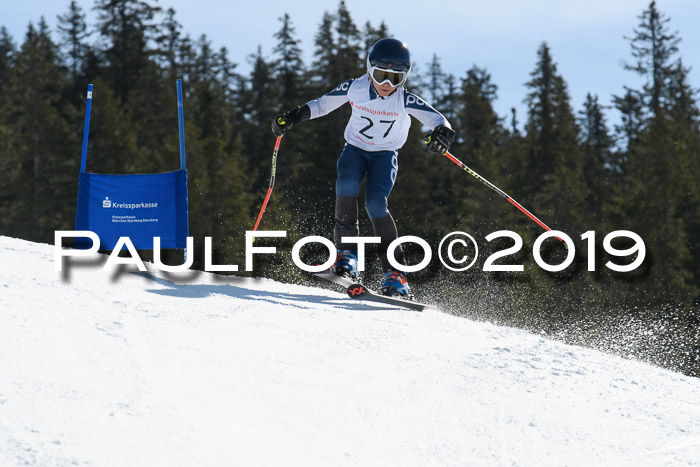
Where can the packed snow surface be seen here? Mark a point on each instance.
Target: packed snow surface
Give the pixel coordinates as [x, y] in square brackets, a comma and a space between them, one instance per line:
[132, 369]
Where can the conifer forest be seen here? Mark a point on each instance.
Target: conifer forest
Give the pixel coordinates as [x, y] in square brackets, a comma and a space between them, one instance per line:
[570, 167]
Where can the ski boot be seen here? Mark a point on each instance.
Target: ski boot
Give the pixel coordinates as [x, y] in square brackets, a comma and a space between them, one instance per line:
[395, 284]
[346, 265]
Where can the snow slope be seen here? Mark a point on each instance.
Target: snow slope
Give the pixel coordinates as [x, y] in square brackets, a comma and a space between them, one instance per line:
[98, 368]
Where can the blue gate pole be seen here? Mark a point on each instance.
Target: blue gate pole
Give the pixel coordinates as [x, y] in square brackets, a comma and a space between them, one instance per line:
[181, 124]
[87, 128]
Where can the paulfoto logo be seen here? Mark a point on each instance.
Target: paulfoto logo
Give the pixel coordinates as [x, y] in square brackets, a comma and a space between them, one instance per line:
[465, 256]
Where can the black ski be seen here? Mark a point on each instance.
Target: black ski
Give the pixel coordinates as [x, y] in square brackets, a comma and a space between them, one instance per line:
[358, 291]
[332, 277]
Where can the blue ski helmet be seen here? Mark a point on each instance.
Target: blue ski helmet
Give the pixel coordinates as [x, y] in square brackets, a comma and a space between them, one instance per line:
[389, 60]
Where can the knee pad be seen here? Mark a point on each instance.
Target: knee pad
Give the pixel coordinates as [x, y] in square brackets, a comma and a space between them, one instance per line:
[346, 210]
[346, 224]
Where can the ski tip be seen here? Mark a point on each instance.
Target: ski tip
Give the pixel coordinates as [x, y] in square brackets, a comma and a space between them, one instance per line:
[357, 291]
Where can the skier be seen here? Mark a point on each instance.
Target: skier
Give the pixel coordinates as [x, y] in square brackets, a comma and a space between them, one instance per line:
[378, 128]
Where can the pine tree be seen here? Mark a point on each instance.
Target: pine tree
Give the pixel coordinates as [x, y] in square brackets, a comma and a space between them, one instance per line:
[480, 136]
[325, 46]
[291, 77]
[653, 47]
[288, 70]
[551, 178]
[169, 42]
[541, 125]
[514, 164]
[435, 82]
[230, 80]
[7, 52]
[596, 152]
[128, 27]
[260, 108]
[113, 139]
[73, 28]
[219, 199]
[656, 171]
[349, 61]
[10, 165]
[686, 117]
[630, 106]
[41, 164]
[551, 181]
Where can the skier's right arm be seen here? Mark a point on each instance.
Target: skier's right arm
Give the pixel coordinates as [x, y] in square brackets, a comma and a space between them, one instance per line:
[312, 109]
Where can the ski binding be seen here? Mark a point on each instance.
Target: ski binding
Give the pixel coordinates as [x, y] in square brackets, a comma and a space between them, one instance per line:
[359, 291]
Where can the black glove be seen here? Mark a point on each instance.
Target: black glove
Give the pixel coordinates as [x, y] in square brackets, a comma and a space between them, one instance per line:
[439, 140]
[288, 119]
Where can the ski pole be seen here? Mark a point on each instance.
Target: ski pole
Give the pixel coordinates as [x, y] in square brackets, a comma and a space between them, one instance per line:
[272, 183]
[499, 191]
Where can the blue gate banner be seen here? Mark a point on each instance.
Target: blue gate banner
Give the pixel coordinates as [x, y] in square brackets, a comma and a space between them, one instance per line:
[140, 206]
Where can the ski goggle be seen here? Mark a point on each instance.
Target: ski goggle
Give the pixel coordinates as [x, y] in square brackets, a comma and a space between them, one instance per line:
[382, 75]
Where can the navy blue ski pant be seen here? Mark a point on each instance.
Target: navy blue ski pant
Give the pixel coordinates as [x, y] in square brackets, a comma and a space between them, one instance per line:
[381, 168]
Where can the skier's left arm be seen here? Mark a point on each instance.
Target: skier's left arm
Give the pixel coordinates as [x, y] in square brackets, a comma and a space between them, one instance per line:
[442, 134]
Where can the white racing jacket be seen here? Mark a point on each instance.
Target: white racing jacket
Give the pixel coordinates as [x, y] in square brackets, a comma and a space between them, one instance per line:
[377, 123]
